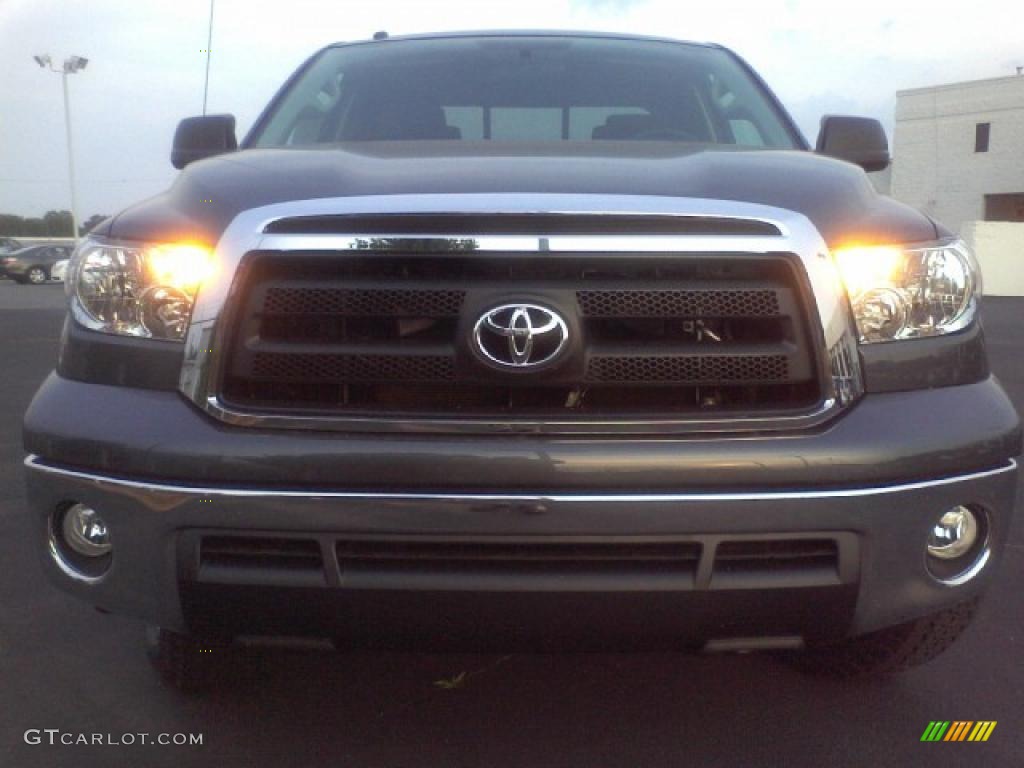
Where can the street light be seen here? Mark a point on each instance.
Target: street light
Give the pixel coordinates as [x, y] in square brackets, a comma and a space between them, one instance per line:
[71, 65]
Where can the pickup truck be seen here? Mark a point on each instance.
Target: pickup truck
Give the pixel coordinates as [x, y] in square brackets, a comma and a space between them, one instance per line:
[526, 340]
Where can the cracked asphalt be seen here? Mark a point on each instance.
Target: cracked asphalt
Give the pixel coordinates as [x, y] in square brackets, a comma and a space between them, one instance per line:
[64, 666]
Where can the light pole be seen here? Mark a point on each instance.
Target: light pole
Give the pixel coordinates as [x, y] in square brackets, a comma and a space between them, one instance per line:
[209, 46]
[71, 65]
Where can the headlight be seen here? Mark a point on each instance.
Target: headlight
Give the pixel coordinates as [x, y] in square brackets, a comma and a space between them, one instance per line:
[910, 292]
[136, 289]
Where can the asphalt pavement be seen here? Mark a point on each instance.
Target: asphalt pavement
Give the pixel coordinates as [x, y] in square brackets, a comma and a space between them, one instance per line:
[64, 666]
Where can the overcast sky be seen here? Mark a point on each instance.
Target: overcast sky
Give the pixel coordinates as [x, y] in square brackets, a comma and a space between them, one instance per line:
[146, 65]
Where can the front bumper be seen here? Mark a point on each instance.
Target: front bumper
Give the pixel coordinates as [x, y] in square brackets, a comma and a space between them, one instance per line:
[873, 483]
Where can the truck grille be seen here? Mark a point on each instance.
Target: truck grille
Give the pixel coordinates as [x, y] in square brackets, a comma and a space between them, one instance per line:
[389, 334]
[469, 562]
[660, 303]
[638, 369]
[363, 303]
[549, 562]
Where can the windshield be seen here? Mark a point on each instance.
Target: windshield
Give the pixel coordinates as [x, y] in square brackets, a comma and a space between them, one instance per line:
[536, 89]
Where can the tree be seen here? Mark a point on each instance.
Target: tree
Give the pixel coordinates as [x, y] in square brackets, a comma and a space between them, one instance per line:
[89, 224]
[52, 224]
[12, 225]
[58, 223]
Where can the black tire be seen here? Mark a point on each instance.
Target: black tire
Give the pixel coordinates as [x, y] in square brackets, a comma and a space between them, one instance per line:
[37, 275]
[890, 650]
[183, 661]
[19, 280]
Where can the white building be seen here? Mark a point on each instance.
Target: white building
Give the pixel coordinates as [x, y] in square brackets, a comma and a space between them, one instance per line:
[959, 156]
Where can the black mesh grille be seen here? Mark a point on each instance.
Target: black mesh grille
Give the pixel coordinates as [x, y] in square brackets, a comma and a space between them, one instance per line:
[353, 367]
[390, 335]
[367, 302]
[624, 303]
[751, 369]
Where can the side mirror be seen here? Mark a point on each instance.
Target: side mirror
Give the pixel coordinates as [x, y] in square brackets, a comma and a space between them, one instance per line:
[857, 140]
[200, 137]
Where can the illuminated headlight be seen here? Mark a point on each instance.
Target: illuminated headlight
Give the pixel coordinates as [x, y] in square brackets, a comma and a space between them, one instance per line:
[136, 289]
[910, 292]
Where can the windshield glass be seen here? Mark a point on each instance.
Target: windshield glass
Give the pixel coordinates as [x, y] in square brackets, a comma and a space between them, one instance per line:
[519, 88]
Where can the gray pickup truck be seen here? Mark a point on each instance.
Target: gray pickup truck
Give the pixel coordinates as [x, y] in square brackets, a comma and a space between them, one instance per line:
[526, 340]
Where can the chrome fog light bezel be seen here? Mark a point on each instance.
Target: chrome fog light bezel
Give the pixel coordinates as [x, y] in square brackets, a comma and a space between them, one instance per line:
[72, 558]
[955, 565]
[84, 531]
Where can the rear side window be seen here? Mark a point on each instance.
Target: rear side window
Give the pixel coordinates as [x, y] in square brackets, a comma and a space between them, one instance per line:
[525, 89]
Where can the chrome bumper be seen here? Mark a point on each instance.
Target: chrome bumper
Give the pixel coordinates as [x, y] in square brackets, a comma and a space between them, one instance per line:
[882, 561]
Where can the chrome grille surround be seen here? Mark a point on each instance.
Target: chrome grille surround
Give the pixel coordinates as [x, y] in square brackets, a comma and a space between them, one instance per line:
[834, 336]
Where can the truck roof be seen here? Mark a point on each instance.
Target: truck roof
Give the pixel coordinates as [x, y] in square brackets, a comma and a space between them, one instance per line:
[527, 33]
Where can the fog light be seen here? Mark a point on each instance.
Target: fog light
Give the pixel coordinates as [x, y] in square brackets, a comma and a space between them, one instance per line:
[954, 534]
[84, 531]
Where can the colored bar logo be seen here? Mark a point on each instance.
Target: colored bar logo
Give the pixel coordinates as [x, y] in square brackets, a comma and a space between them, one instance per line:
[958, 730]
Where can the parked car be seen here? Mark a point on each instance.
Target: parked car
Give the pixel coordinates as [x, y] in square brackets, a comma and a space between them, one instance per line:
[59, 270]
[527, 340]
[8, 244]
[34, 263]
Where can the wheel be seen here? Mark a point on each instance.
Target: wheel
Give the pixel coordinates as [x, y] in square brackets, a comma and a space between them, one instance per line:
[37, 275]
[890, 650]
[183, 661]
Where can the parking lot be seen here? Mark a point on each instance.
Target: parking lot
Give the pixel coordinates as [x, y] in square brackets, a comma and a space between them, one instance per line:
[64, 666]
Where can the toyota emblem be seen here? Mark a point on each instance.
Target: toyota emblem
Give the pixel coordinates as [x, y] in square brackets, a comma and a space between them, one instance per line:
[520, 335]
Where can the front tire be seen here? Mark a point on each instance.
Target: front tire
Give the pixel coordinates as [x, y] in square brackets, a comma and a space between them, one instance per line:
[891, 650]
[37, 275]
[184, 662]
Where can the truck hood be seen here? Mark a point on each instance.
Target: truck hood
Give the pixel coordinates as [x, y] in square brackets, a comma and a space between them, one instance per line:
[836, 196]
